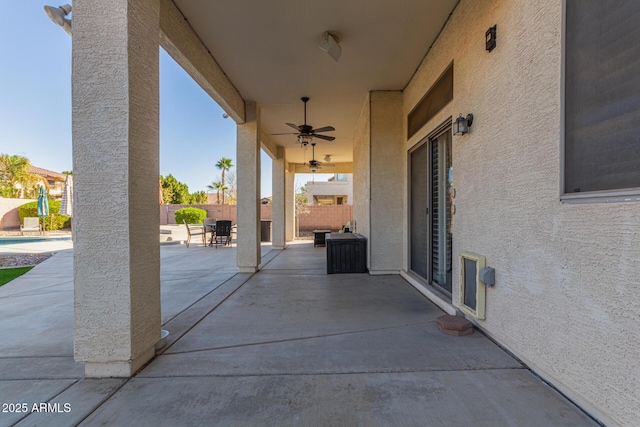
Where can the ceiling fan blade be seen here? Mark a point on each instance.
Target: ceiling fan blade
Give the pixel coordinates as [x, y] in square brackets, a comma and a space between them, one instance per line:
[285, 133]
[330, 165]
[293, 126]
[324, 129]
[325, 137]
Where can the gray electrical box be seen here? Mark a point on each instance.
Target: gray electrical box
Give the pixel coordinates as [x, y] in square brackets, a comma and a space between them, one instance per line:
[487, 276]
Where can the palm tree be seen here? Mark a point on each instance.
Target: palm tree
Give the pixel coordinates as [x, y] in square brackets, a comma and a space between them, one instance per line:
[224, 165]
[217, 186]
[15, 174]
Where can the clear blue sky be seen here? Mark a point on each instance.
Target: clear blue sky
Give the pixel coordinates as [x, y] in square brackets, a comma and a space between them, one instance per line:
[35, 105]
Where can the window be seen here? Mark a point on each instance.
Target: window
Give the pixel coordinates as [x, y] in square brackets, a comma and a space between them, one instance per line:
[602, 97]
[438, 96]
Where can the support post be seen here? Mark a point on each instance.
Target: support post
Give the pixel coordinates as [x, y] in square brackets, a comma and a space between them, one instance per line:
[248, 160]
[278, 202]
[289, 201]
[116, 167]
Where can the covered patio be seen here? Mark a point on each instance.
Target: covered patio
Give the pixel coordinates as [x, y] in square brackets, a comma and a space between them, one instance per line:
[456, 118]
[289, 345]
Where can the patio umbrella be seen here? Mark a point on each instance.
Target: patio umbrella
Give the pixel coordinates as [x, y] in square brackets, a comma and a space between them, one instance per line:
[66, 204]
[43, 204]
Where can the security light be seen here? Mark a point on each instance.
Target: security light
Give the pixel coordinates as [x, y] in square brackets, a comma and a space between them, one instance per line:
[329, 44]
[58, 14]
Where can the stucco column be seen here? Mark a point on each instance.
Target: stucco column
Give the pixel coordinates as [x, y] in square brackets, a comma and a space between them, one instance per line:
[289, 201]
[278, 204]
[115, 166]
[387, 181]
[248, 161]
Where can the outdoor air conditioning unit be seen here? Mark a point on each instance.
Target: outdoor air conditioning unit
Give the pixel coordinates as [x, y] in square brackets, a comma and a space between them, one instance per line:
[474, 279]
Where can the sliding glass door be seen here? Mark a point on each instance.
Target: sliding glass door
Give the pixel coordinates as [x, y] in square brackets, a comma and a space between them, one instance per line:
[430, 209]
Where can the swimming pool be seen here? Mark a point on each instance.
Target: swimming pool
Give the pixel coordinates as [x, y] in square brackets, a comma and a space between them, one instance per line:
[14, 240]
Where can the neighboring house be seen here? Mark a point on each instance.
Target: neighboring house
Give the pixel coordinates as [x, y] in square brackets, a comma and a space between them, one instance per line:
[544, 185]
[55, 181]
[338, 190]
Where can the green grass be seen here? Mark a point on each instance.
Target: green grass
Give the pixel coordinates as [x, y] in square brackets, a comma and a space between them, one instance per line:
[8, 274]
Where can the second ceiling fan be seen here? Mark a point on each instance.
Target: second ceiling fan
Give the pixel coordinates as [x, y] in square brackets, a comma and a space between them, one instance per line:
[306, 132]
[314, 164]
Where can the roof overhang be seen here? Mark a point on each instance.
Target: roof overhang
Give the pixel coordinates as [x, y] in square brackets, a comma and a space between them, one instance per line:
[268, 53]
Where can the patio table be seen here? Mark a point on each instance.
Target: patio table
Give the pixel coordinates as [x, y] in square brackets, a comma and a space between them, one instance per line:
[319, 237]
[212, 227]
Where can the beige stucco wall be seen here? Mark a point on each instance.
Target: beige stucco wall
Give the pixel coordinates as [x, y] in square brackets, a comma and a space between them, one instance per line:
[564, 298]
[379, 170]
[361, 176]
[387, 174]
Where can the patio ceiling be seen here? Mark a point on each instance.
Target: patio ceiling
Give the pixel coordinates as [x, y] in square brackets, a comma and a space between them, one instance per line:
[269, 52]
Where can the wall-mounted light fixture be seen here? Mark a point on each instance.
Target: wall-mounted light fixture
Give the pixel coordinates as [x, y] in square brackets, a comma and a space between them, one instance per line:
[462, 124]
[490, 38]
[58, 15]
[330, 44]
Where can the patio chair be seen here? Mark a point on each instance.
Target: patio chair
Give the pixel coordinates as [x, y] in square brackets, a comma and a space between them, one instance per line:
[30, 224]
[347, 228]
[234, 233]
[195, 230]
[223, 230]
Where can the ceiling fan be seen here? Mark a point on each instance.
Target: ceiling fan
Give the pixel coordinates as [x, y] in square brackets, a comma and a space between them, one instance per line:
[306, 132]
[314, 164]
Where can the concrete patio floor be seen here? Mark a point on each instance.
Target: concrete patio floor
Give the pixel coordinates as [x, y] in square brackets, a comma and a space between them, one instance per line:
[289, 345]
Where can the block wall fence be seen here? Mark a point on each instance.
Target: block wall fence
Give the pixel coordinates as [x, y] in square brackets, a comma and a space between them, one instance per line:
[9, 219]
[331, 217]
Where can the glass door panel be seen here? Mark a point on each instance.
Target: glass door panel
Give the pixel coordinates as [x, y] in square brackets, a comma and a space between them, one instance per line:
[419, 237]
[440, 199]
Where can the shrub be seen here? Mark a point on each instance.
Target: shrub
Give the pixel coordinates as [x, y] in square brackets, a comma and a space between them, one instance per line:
[191, 215]
[59, 221]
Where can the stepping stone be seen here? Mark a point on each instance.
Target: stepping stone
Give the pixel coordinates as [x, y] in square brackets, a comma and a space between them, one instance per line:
[454, 325]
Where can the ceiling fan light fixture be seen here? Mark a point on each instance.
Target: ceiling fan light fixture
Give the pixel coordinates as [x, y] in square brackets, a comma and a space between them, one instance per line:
[58, 15]
[305, 139]
[330, 44]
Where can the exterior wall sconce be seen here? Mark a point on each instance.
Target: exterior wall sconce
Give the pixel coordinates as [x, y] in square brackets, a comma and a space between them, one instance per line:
[490, 38]
[462, 124]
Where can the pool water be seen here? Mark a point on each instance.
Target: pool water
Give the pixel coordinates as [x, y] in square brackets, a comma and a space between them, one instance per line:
[13, 240]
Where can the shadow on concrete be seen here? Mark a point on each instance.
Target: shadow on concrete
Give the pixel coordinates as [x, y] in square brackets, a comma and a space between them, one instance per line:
[289, 345]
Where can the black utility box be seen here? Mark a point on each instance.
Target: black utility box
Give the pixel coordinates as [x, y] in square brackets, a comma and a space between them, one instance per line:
[346, 253]
[265, 230]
